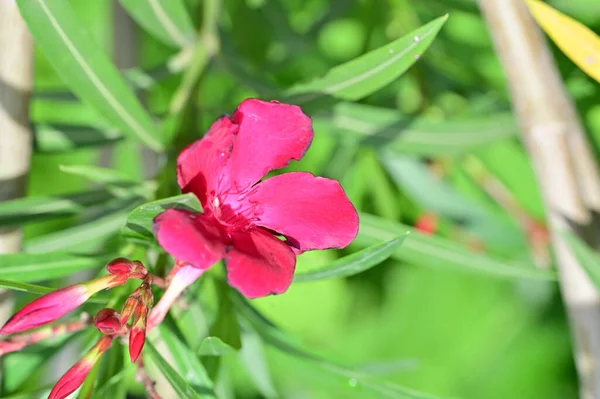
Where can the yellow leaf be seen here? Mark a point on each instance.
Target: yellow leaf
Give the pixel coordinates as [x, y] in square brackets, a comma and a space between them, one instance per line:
[577, 41]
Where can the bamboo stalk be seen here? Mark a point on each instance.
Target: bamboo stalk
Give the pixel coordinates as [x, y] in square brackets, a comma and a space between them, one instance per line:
[564, 166]
[16, 79]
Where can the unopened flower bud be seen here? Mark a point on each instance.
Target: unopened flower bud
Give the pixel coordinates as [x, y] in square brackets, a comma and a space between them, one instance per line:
[75, 376]
[126, 267]
[137, 336]
[108, 322]
[47, 308]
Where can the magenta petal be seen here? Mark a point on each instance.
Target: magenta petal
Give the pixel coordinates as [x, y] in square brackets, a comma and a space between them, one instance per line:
[312, 212]
[190, 237]
[270, 135]
[199, 165]
[260, 264]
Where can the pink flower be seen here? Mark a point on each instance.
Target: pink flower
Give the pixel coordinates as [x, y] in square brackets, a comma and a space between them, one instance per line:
[75, 376]
[244, 217]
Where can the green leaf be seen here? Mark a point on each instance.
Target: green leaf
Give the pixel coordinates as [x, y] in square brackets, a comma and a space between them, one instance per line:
[138, 225]
[24, 287]
[426, 250]
[213, 346]
[24, 267]
[186, 361]
[368, 73]
[355, 263]
[35, 209]
[253, 357]
[166, 20]
[115, 181]
[587, 257]
[54, 138]
[183, 389]
[386, 128]
[85, 68]
[226, 326]
[81, 236]
[283, 342]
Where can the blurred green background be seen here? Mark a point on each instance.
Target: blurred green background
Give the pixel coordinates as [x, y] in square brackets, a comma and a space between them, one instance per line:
[435, 142]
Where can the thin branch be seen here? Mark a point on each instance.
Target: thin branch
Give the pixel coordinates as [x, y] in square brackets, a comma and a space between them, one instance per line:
[564, 166]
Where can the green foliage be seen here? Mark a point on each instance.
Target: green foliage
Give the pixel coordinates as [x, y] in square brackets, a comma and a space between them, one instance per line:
[85, 68]
[411, 116]
[355, 263]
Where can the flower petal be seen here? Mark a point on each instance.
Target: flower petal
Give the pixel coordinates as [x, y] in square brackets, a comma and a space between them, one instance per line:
[260, 264]
[199, 165]
[190, 237]
[270, 135]
[312, 212]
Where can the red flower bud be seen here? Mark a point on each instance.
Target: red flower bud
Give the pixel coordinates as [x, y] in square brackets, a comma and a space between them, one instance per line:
[47, 308]
[75, 376]
[137, 339]
[137, 336]
[126, 267]
[108, 322]
[54, 305]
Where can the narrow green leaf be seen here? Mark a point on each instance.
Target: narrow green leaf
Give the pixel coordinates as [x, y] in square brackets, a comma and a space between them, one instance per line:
[213, 346]
[115, 181]
[253, 357]
[54, 138]
[425, 250]
[185, 360]
[355, 263]
[167, 20]
[374, 70]
[80, 237]
[386, 128]
[35, 209]
[283, 342]
[24, 267]
[587, 257]
[138, 225]
[24, 287]
[85, 68]
[183, 389]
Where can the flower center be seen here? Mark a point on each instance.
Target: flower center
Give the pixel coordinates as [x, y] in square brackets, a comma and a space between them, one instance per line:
[231, 209]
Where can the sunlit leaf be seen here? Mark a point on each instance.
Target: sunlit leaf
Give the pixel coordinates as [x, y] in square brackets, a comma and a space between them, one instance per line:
[52, 138]
[85, 68]
[372, 71]
[185, 359]
[278, 339]
[426, 250]
[167, 20]
[35, 209]
[355, 263]
[253, 356]
[577, 41]
[138, 225]
[115, 181]
[82, 236]
[183, 389]
[382, 127]
[213, 346]
[24, 267]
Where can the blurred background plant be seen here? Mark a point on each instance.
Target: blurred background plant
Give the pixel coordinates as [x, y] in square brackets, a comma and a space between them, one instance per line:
[466, 307]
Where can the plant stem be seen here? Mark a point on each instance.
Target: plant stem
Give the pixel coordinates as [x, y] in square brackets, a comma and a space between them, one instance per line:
[563, 163]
